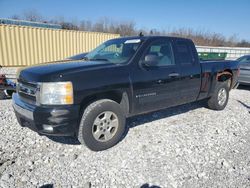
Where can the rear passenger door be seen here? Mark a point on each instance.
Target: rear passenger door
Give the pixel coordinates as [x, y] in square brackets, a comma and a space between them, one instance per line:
[190, 70]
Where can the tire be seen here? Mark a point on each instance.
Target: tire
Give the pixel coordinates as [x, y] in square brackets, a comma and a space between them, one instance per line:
[2, 94]
[220, 97]
[102, 125]
[9, 92]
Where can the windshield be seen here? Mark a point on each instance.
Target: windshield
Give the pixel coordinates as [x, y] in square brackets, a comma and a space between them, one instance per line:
[115, 51]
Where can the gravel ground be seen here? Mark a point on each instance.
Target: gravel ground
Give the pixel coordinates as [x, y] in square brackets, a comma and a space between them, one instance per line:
[8, 70]
[186, 146]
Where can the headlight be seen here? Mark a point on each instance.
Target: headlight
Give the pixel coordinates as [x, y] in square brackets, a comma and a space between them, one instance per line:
[56, 93]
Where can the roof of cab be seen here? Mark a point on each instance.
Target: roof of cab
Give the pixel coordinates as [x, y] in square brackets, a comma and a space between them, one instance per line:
[151, 37]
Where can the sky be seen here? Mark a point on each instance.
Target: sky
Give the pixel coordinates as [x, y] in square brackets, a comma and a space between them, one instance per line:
[227, 17]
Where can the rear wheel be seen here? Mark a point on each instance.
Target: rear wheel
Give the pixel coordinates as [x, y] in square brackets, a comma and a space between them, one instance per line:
[220, 97]
[102, 125]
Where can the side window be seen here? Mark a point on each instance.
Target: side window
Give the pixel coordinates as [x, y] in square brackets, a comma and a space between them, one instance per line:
[245, 59]
[113, 48]
[248, 60]
[162, 53]
[183, 53]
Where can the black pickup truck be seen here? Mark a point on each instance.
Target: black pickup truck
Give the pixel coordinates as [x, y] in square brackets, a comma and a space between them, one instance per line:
[91, 98]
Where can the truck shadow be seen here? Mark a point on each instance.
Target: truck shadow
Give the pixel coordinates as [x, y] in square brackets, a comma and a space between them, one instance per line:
[244, 87]
[243, 104]
[164, 113]
[139, 120]
[69, 140]
[146, 185]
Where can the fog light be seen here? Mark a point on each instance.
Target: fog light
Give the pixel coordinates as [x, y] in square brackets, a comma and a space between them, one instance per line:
[48, 128]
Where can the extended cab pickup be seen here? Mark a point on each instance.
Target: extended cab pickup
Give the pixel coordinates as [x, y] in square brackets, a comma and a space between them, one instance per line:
[91, 98]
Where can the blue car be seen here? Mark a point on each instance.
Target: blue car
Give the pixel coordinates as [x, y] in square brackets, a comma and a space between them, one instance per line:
[244, 77]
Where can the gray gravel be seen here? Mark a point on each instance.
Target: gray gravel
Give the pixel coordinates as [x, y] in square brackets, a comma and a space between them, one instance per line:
[8, 70]
[186, 146]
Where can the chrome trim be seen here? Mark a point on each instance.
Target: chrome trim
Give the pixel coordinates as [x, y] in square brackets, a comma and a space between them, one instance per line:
[27, 90]
[18, 106]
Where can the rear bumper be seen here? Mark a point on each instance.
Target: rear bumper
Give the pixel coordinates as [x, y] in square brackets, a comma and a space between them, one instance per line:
[244, 77]
[244, 80]
[62, 119]
[244, 83]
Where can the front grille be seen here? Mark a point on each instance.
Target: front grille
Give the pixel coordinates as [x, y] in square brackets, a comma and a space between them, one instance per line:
[27, 90]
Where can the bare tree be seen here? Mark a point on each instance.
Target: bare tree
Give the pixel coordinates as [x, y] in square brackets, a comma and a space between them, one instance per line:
[243, 43]
[32, 15]
[15, 17]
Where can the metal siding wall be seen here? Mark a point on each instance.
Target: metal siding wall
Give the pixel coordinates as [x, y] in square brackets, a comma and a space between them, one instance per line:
[232, 53]
[24, 46]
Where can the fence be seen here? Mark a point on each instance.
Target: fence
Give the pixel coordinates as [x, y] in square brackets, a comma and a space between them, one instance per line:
[232, 53]
[23, 46]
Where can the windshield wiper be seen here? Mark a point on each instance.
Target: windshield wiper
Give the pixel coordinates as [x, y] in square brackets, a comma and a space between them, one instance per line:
[85, 58]
[98, 59]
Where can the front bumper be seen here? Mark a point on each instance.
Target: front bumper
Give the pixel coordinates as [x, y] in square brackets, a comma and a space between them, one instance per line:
[63, 119]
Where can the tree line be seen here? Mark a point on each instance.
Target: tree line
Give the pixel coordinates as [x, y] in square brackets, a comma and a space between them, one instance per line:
[128, 28]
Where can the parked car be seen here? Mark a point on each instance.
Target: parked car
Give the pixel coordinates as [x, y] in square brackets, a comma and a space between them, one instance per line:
[7, 85]
[123, 77]
[244, 77]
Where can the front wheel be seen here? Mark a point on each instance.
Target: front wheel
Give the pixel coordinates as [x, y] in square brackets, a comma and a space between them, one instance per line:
[102, 125]
[220, 97]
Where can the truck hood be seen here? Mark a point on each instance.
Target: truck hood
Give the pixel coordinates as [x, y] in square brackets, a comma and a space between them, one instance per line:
[56, 70]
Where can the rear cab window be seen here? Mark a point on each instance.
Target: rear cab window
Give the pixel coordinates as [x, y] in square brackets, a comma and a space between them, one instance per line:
[184, 52]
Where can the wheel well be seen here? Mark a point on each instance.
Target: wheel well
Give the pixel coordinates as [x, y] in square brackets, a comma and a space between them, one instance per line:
[117, 96]
[224, 76]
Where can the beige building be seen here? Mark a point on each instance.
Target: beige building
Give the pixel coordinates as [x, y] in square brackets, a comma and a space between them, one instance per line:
[24, 46]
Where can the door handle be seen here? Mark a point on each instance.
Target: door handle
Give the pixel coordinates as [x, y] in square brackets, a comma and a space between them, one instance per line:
[174, 74]
[159, 81]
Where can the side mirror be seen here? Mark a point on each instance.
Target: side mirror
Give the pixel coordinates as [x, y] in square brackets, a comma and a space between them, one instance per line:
[151, 60]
